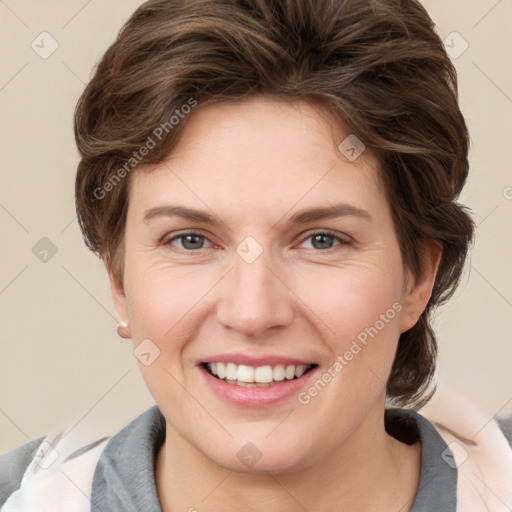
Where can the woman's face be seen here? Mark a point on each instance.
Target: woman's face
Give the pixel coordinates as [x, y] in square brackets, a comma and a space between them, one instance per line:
[258, 244]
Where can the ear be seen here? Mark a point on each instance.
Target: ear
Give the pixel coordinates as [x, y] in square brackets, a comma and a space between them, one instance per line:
[419, 289]
[117, 291]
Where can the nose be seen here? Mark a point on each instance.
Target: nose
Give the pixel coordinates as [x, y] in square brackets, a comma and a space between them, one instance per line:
[255, 299]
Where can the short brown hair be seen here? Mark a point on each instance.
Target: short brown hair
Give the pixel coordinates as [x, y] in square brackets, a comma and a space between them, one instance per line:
[377, 65]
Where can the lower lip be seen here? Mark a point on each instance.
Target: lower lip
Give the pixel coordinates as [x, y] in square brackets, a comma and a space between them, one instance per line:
[256, 396]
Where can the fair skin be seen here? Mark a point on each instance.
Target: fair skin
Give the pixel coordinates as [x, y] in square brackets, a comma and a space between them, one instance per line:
[253, 165]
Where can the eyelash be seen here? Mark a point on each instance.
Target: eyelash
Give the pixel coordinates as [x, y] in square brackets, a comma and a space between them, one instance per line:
[341, 241]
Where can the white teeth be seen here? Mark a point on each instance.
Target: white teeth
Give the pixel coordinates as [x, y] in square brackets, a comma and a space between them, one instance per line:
[245, 373]
[259, 376]
[263, 374]
[279, 372]
[299, 370]
[289, 373]
[231, 371]
[221, 370]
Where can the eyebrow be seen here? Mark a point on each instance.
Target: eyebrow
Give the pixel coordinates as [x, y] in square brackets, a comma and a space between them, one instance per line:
[180, 211]
[327, 212]
[301, 217]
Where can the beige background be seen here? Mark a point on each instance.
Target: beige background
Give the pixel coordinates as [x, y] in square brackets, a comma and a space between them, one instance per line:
[61, 362]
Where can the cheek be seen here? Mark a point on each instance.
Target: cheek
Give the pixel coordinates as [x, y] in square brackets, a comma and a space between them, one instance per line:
[348, 301]
[359, 312]
[167, 306]
[163, 297]
[164, 304]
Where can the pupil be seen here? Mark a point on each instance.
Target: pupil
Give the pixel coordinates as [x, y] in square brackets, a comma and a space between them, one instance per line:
[193, 239]
[324, 241]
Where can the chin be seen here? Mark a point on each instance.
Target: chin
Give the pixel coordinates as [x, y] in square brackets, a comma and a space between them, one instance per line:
[283, 454]
[252, 461]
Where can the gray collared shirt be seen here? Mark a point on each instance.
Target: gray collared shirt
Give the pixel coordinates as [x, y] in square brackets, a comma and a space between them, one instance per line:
[124, 479]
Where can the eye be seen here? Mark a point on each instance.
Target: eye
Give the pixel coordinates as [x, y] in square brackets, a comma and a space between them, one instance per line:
[324, 240]
[188, 241]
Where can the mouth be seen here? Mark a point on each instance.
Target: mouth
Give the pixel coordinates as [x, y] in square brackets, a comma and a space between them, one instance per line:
[260, 376]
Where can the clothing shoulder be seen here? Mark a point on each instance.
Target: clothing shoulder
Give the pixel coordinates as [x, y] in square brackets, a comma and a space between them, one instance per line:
[57, 471]
[13, 465]
[479, 446]
[50, 470]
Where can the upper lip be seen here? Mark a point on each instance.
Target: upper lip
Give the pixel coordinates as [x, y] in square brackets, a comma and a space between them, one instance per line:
[255, 361]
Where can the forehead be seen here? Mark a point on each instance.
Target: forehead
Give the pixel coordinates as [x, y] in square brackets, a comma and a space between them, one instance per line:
[260, 151]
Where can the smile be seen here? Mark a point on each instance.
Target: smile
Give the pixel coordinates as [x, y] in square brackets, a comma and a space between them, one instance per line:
[260, 376]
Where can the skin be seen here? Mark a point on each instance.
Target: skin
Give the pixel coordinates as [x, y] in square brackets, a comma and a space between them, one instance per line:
[252, 165]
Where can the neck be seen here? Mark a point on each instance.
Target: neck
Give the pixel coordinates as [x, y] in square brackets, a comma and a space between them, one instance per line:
[371, 471]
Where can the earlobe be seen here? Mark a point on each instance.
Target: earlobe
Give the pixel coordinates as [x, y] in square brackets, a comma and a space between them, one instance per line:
[419, 288]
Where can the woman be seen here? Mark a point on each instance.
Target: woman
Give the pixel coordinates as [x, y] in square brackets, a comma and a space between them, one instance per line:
[272, 187]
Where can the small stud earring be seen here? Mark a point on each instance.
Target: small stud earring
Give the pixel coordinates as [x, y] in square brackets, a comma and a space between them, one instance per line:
[123, 332]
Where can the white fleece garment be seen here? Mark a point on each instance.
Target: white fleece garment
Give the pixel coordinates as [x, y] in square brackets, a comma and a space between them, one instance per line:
[482, 453]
